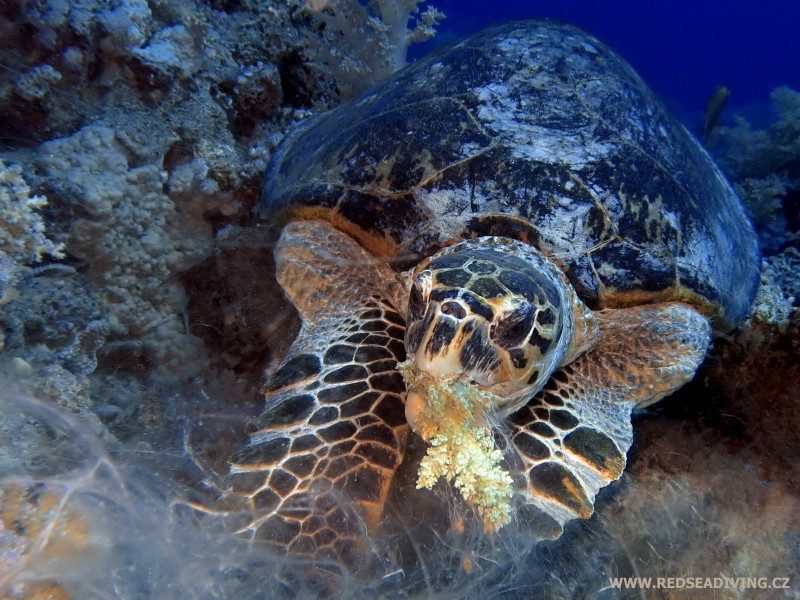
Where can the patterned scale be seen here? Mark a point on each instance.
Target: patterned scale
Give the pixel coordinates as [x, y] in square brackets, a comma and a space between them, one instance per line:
[572, 443]
[572, 437]
[323, 453]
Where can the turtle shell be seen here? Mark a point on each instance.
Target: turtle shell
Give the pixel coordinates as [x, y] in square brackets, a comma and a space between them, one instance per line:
[538, 131]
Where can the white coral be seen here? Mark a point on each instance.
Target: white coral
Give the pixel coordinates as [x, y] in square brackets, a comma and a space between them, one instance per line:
[134, 241]
[365, 41]
[37, 83]
[22, 235]
[171, 49]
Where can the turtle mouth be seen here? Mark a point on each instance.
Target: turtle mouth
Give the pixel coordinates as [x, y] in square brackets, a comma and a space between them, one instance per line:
[419, 395]
[452, 345]
[460, 350]
[432, 401]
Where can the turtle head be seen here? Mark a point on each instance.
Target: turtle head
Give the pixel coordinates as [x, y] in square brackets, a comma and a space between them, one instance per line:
[497, 314]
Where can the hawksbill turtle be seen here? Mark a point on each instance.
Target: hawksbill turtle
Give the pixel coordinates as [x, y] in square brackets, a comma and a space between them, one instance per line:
[506, 248]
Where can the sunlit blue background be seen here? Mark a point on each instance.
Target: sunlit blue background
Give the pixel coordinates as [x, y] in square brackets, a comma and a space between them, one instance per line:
[682, 48]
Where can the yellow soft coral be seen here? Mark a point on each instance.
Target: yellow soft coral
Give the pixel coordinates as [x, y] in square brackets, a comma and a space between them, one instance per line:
[451, 416]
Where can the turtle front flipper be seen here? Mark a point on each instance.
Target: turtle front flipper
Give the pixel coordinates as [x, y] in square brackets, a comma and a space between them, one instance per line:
[321, 456]
[572, 437]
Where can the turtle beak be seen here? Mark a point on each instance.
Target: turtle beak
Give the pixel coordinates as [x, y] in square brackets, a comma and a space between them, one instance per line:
[452, 344]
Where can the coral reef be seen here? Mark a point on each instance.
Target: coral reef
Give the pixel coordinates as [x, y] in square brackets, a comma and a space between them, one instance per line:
[58, 312]
[134, 140]
[22, 230]
[133, 240]
[62, 61]
[52, 332]
[764, 166]
[149, 125]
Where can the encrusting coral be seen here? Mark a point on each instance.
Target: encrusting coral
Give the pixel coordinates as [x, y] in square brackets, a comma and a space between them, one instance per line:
[133, 239]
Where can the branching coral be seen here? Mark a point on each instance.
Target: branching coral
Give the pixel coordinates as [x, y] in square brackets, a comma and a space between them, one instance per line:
[367, 41]
[452, 417]
[764, 166]
[22, 235]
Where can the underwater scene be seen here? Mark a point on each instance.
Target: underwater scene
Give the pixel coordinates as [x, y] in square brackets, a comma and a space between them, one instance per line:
[399, 299]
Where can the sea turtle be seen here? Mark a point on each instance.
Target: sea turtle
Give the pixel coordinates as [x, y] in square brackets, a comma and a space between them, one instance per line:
[509, 245]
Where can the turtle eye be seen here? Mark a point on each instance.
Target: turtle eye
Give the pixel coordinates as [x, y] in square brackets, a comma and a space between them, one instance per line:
[454, 309]
[513, 329]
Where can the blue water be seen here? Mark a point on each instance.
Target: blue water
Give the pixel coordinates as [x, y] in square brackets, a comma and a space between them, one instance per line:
[682, 49]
